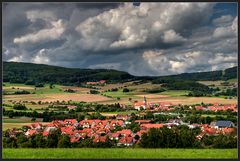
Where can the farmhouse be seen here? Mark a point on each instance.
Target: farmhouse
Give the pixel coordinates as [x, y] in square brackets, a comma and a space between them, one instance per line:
[149, 126]
[140, 105]
[101, 82]
[223, 124]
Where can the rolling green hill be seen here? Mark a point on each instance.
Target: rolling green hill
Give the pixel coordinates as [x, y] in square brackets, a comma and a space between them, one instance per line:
[21, 72]
[16, 72]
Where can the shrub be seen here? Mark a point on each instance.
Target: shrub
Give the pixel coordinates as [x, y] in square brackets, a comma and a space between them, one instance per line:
[19, 107]
[125, 90]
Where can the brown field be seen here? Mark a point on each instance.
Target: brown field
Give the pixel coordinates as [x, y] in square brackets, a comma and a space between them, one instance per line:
[60, 97]
[109, 86]
[217, 83]
[20, 120]
[19, 87]
[152, 96]
[176, 100]
[79, 89]
[144, 86]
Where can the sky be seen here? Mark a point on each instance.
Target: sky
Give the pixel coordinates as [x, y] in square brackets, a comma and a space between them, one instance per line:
[150, 39]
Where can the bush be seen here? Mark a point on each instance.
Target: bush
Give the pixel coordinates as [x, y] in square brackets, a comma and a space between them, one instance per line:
[125, 90]
[70, 91]
[114, 89]
[19, 107]
[94, 91]
[155, 90]
[22, 92]
[39, 85]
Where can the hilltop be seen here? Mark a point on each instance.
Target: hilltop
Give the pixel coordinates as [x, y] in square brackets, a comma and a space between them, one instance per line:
[17, 72]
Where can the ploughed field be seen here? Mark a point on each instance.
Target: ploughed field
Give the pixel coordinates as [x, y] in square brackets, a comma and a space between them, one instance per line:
[119, 153]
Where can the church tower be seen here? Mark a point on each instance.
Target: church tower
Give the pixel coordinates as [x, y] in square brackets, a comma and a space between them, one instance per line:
[145, 101]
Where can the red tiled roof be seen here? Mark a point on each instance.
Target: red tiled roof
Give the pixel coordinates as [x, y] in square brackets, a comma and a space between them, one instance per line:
[139, 133]
[35, 125]
[114, 135]
[140, 104]
[68, 130]
[100, 139]
[71, 121]
[199, 107]
[31, 131]
[116, 122]
[143, 121]
[74, 139]
[148, 126]
[126, 140]
[125, 132]
[210, 131]
[45, 133]
[228, 130]
[86, 130]
[71, 107]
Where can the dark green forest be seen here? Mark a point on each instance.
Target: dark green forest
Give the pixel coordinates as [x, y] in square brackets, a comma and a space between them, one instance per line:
[33, 74]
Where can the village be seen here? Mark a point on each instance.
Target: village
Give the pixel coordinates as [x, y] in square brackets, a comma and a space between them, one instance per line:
[115, 129]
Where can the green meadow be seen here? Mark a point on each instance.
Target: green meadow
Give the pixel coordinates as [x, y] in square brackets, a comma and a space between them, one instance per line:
[123, 153]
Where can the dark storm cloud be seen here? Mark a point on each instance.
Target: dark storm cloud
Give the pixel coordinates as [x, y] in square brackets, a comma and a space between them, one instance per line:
[150, 39]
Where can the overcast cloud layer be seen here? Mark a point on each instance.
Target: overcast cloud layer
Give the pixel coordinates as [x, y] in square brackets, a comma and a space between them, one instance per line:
[150, 39]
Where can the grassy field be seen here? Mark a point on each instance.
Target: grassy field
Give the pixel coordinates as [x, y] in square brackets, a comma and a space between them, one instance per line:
[119, 94]
[19, 120]
[175, 93]
[18, 125]
[118, 153]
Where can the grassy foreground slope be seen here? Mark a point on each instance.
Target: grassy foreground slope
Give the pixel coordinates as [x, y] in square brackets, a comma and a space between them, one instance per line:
[118, 153]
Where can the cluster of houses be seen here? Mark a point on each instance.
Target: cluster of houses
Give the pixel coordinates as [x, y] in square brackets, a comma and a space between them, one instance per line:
[167, 106]
[218, 107]
[101, 82]
[100, 130]
[156, 106]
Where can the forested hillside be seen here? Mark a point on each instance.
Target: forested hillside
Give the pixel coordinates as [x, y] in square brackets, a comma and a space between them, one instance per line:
[38, 73]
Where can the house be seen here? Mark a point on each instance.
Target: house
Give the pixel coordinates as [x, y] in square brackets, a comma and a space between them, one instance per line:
[125, 132]
[114, 136]
[166, 104]
[139, 133]
[140, 105]
[36, 126]
[224, 124]
[70, 122]
[49, 129]
[149, 126]
[45, 133]
[91, 83]
[114, 123]
[192, 126]
[142, 121]
[127, 141]
[210, 131]
[71, 107]
[228, 130]
[199, 107]
[100, 139]
[101, 82]
[122, 117]
[30, 132]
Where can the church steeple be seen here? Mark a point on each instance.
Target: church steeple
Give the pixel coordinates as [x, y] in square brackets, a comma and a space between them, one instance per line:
[145, 101]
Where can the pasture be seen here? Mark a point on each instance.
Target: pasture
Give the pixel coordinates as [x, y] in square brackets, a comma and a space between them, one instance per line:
[136, 94]
[117, 153]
